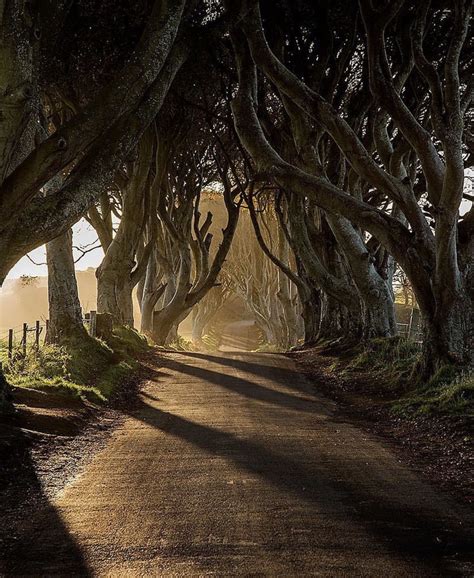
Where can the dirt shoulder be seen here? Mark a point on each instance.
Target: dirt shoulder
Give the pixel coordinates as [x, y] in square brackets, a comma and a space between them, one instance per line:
[439, 447]
[48, 440]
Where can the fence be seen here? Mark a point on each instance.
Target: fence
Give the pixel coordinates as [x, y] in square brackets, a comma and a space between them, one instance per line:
[18, 339]
[412, 329]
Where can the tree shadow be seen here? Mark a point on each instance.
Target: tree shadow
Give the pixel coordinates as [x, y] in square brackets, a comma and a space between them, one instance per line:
[27, 513]
[277, 373]
[247, 388]
[418, 533]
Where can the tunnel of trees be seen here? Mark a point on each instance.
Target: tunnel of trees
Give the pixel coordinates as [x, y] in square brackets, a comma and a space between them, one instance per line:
[295, 155]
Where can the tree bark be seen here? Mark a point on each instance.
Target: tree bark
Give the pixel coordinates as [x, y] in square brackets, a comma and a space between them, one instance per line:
[65, 313]
[16, 85]
[114, 292]
[115, 275]
[311, 313]
[200, 321]
[6, 405]
[448, 334]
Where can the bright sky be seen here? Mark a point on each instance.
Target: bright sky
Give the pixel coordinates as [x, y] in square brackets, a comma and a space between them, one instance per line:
[83, 234]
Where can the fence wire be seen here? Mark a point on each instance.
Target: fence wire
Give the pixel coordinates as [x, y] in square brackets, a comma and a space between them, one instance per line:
[18, 340]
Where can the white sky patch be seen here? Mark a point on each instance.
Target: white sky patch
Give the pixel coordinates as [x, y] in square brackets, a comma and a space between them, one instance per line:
[83, 235]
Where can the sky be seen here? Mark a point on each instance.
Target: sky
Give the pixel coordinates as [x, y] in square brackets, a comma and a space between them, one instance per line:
[83, 234]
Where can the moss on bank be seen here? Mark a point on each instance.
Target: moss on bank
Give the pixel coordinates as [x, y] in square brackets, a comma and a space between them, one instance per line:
[83, 368]
[393, 363]
[447, 392]
[391, 358]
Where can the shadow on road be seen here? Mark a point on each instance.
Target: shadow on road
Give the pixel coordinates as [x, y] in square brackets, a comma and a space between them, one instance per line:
[43, 546]
[281, 375]
[23, 503]
[246, 388]
[420, 532]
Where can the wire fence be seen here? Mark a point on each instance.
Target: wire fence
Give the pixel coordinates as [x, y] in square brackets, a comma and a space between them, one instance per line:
[412, 329]
[18, 341]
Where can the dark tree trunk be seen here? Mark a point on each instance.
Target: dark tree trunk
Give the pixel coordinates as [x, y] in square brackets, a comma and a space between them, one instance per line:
[337, 321]
[311, 314]
[379, 314]
[148, 295]
[5, 396]
[449, 336]
[166, 323]
[65, 313]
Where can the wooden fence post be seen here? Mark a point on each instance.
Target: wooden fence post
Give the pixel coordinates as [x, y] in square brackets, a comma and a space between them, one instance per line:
[93, 323]
[25, 337]
[10, 344]
[37, 334]
[410, 323]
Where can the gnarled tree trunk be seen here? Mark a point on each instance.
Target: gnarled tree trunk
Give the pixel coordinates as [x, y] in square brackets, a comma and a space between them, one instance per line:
[5, 395]
[16, 83]
[116, 276]
[65, 313]
[448, 333]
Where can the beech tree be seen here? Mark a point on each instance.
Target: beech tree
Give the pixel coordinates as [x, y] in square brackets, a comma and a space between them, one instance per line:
[191, 269]
[118, 71]
[357, 296]
[126, 97]
[206, 311]
[121, 269]
[436, 260]
[65, 312]
[265, 280]
[349, 131]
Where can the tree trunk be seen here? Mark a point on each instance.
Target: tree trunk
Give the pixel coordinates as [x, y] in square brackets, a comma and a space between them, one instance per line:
[65, 313]
[379, 313]
[5, 396]
[200, 320]
[311, 314]
[449, 336]
[114, 293]
[163, 323]
[147, 307]
[337, 321]
[17, 96]
[149, 295]
[116, 276]
[375, 294]
[166, 323]
[287, 302]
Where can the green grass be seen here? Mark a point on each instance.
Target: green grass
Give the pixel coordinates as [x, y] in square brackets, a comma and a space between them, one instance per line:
[448, 392]
[211, 340]
[182, 344]
[268, 348]
[392, 359]
[82, 368]
[393, 362]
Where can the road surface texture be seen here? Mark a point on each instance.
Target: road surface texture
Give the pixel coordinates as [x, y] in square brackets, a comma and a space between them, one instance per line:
[231, 465]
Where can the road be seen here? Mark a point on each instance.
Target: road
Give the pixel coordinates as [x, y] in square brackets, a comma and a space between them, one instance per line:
[231, 465]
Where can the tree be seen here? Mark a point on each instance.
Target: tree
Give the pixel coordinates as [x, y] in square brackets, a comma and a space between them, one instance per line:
[129, 86]
[426, 255]
[120, 270]
[205, 312]
[65, 313]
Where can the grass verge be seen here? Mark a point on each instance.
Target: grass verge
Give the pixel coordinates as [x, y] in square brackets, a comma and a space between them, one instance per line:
[84, 368]
[393, 361]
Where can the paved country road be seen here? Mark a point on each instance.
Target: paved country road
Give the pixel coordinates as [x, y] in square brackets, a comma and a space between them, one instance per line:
[231, 465]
